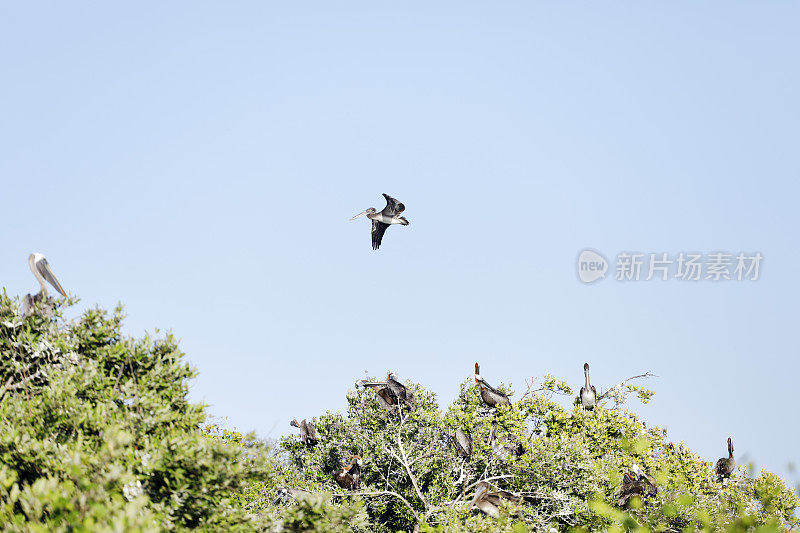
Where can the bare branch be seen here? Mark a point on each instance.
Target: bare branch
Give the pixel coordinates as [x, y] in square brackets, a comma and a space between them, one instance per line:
[529, 389]
[404, 461]
[619, 385]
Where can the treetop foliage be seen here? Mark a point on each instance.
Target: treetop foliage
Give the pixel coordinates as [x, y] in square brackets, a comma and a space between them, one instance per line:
[97, 434]
[556, 468]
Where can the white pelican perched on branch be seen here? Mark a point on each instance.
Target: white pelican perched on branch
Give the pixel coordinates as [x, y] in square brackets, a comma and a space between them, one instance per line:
[380, 221]
[41, 270]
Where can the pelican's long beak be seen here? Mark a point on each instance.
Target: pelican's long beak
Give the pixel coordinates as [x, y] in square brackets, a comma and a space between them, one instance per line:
[479, 493]
[44, 268]
[365, 383]
[364, 212]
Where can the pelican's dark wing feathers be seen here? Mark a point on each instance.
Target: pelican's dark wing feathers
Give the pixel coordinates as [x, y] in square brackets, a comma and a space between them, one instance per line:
[464, 442]
[393, 207]
[378, 229]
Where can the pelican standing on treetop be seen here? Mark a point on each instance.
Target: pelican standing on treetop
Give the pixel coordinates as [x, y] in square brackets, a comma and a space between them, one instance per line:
[41, 270]
[380, 221]
[726, 465]
[588, 394]
[493, 397]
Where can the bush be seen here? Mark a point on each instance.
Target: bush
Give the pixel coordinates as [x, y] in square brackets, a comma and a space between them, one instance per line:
[568, 478]
[97, 433]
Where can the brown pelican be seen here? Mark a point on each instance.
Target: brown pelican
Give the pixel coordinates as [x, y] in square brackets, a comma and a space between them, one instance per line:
[41, 270]
[481, 501]
[383, 394]
[503, 447]
[391, 392]
[308, 433]
[636, 484]
[347, 476]
[588, 393]
[463, 442]
[493, 397]
[726, 465]
[489, 502]
[380, 221]
[400, 391]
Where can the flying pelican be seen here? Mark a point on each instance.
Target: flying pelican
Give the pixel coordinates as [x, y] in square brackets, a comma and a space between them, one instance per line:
[41, 270]
[380, 221]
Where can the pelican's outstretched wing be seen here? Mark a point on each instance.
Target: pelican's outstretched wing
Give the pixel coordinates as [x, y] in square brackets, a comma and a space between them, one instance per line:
[44, 270]
[393, 207]
[378, 229]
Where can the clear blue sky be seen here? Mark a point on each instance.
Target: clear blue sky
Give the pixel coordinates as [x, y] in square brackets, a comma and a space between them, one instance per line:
[199, 161]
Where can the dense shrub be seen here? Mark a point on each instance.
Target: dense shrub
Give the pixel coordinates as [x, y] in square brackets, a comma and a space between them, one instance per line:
[97, 433]
[568, 478]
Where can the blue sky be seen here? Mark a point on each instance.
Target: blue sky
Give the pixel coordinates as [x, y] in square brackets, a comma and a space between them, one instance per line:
[199, 162]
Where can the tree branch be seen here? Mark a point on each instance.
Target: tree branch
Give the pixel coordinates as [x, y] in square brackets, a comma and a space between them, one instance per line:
[619, 385]
[404, 461]
[529, 389]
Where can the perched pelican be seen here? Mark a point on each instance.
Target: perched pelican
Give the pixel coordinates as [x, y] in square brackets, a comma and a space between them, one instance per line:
[641, 475]
[493, 397]
[347, 476]
[630, 487]
[588, 392]
[725, 466]
[481, 501]
[380, 221]
[390, 392]
[463, 442]
[400, 391]
[308, 433]
[503, 447]
[41, 270]
[489, 502]
[385, 398]
[636, 484]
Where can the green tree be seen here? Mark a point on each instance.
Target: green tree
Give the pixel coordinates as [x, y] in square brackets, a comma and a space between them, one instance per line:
[97, 433]
[567, 479]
